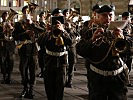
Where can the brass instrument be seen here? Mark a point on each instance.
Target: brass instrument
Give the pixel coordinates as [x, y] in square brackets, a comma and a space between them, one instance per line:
[120, 45]
[34, 28]
[69, 20]
[11, 15]
[73, 13]
[47, 18]
[7, 26]
[31, 10]
[31, 7]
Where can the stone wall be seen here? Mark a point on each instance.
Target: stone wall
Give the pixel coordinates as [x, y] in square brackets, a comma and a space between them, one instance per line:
[86, 5]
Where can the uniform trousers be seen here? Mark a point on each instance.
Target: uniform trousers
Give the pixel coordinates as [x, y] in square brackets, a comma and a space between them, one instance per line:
[28, 69]
[106, 87]
[54, 78]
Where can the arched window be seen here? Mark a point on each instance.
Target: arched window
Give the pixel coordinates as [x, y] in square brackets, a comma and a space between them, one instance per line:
[4, 2]
[16, 3]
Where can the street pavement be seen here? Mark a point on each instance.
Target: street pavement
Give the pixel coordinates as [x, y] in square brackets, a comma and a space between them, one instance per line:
[78, 92]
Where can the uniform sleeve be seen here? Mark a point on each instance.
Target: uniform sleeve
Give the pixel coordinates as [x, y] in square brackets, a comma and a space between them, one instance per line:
[18, 32]
[83, 48]
[67, 39]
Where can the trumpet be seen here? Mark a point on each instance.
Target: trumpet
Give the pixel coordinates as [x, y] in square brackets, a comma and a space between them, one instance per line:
[120, 45]
[31, 7]
[47, 17]
[73, 13]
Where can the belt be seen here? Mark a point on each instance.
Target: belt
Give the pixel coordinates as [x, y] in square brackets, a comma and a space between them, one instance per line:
[108, 73]
[55, 53]
[19, 44]
[25, 42]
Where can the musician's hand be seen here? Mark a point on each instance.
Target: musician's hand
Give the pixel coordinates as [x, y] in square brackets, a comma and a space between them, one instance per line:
[97, 34]
[118, 33]
[7, 27]
[60, 26]
[48, 27]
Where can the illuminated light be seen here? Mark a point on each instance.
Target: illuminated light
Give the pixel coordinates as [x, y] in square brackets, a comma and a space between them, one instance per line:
[131, 2]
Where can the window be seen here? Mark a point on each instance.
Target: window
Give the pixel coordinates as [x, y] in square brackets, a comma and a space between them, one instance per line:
[25, 2]
[3, 2]
[35, 1]
[14, 3]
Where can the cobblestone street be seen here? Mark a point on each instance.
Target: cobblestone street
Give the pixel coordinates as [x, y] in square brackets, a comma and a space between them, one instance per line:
[78, 92]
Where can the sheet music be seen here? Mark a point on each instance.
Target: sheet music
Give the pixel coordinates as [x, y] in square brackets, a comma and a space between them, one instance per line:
[117, 24]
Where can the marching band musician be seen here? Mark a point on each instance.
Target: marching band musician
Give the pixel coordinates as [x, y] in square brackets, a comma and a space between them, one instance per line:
[42, 19]
[90, 24]
[54, 45]
[40, 53]
[127, 31]
[107, 72]
[7, 48]
[25, 33]
[66, 14]
[72, 56]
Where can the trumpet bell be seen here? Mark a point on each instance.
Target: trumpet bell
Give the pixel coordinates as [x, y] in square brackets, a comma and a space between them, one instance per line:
[32, 7]
[73, 10]
[13, 11]
[121, 45]
[11, 14]
[7, 25]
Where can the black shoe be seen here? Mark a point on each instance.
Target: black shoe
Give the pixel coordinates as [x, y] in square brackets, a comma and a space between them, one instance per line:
[68, 85]
[130, 85]
[3, 82]
[75, 69]
[40, 75]
[24, 94]
[31, 95]
[8, 81]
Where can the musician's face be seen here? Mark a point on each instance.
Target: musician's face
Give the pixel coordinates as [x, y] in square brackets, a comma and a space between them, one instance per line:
[66, 14]
[106, 17]
[25, 11]
[94, 14]
[4, 17]
[128, 18]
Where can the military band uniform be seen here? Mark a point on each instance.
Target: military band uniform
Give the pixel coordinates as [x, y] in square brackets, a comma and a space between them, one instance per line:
[127, 31]
[107, 71]
[40, 53]
[6, 56]
[55, 64]
[7, 59]
[128, 54]
[28, 56]
[72, 56]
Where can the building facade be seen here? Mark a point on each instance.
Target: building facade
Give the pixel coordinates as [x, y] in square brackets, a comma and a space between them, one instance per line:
[84, 6]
